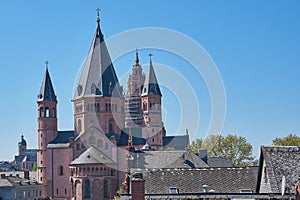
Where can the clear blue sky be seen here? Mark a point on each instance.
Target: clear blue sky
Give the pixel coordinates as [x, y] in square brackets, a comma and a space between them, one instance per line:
[255, 45]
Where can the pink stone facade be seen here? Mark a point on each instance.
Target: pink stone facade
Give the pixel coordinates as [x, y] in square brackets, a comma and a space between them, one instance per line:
[89, 164]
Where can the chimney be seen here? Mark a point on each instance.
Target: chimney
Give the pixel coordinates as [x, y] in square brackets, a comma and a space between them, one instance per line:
[203, 155]
[26, 175]
[3, 176]
[137, 186]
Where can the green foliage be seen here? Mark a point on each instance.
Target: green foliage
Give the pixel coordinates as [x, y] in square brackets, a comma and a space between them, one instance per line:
[195, 146]
[170, 149]
[1, 170]
[232, 146]
[290, 140]
[119, 193]
[34, 168]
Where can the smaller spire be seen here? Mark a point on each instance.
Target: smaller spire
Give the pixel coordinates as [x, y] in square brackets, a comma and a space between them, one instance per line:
[47, 92]
[137, 57]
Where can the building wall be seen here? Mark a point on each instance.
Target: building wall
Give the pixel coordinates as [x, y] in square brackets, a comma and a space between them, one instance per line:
[58, 169]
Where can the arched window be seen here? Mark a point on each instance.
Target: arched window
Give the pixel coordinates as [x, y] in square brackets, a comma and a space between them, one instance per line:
[87, 191]
[54, 112]
[111, 126]
[61, 170]
[105, 189]
[79, 126]
[41, 112]
[144, 106]
[47, 112]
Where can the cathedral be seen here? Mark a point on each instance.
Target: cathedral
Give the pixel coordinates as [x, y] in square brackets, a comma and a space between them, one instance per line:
[91, 161]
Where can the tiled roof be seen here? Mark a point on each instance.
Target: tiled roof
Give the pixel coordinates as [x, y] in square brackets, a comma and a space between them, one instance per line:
[221, 180]
[151, 85]
[179, 142]
[167, 159]
[219, 162]
[98, 77]
[47, 91]
[280, 161]
[92, 156]
[62, 139]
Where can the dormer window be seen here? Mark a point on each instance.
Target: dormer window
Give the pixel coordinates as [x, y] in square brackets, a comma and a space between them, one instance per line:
[173, 190]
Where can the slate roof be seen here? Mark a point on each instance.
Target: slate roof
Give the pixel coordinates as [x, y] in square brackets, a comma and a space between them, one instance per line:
[92, 156]
[219, 162]
[221, 180]
[5, 183]
[179, 142]
[47, 91]
[167, 159]
[62, 139]
[280, 161]
[151, 85]
[137, 138]
[98, 77]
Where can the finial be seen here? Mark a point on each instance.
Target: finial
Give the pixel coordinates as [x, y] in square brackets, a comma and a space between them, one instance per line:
[47, 62]
[150, 55]
[136, 57]
[98, 15]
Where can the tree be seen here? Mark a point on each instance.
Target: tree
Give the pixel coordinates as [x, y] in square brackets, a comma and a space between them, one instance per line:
[195, 146]
[232, 146]
[290, 140]
[34, 168]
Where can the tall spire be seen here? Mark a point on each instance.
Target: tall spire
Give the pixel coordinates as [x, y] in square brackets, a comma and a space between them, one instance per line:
[151, 85]
[137, 58]
[98, 77]
[47, 91]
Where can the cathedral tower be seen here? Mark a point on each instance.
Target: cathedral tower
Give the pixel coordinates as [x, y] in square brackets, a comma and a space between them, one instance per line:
[133, 105]
[47, 124]
[151, 106]
[98, 99]
[22, 146]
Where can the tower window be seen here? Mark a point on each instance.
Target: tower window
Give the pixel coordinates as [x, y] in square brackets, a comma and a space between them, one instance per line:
[87, 187]
[111, 126]
[79, 126]
[61, 171]
[105, 189]
[144, 106]
[41, 112]
[47, 112]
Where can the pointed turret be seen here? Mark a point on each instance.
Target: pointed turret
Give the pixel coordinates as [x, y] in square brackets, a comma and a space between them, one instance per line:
[151, 85]
[47, 91]
[98, 77]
